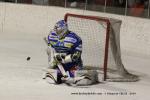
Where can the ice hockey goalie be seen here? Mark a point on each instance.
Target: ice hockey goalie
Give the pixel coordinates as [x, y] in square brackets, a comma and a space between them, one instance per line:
[64, 58]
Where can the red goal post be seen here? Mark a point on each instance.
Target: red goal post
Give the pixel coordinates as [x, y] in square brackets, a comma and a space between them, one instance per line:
[106, 32]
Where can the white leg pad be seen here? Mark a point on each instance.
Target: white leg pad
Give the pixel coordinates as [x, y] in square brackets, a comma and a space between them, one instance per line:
[86, 77]
[51, 76]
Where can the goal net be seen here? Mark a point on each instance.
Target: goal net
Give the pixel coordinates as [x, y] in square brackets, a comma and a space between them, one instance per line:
[101, 45]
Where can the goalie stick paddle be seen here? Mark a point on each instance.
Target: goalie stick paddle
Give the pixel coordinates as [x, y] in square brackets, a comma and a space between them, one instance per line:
[62, 70]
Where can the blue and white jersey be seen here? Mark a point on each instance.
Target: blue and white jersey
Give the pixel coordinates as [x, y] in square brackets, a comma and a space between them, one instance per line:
[68, 45]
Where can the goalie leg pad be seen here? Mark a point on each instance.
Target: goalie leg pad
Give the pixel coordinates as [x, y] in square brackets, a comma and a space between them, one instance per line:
[51, 76]
[89, 77]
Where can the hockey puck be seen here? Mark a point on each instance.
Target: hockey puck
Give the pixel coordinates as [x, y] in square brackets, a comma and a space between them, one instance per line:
[28, 58]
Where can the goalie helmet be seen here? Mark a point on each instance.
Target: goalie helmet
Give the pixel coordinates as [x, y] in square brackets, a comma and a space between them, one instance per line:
[61, 28]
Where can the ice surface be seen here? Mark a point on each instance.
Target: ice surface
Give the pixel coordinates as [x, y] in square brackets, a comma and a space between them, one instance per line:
[22, 79]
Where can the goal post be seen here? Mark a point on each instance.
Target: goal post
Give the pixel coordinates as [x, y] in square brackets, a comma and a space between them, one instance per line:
[101, 45]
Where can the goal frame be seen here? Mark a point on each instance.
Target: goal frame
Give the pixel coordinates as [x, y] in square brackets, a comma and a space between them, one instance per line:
[105, 62]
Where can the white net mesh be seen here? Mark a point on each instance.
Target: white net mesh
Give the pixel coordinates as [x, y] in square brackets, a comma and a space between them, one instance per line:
[89, 37]
[93, 32]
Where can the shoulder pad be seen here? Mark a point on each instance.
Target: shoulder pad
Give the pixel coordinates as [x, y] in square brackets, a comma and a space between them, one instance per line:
[74, 35]
[52, 34]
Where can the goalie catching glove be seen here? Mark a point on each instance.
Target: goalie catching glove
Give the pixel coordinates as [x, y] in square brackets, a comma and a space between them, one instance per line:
[63, 58]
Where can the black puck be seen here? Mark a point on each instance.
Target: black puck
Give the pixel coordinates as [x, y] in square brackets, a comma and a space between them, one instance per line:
[28, 58]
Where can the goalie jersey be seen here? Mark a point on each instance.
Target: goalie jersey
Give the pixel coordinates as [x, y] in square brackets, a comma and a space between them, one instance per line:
[69, 44]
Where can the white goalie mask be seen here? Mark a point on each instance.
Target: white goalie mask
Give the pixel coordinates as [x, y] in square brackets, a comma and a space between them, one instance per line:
[61, 28]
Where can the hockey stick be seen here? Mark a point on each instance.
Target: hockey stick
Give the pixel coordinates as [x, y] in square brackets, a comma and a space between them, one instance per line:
[62, 70]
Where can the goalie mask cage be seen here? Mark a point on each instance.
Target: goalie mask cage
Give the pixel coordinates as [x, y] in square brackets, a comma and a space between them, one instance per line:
[101, 45]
